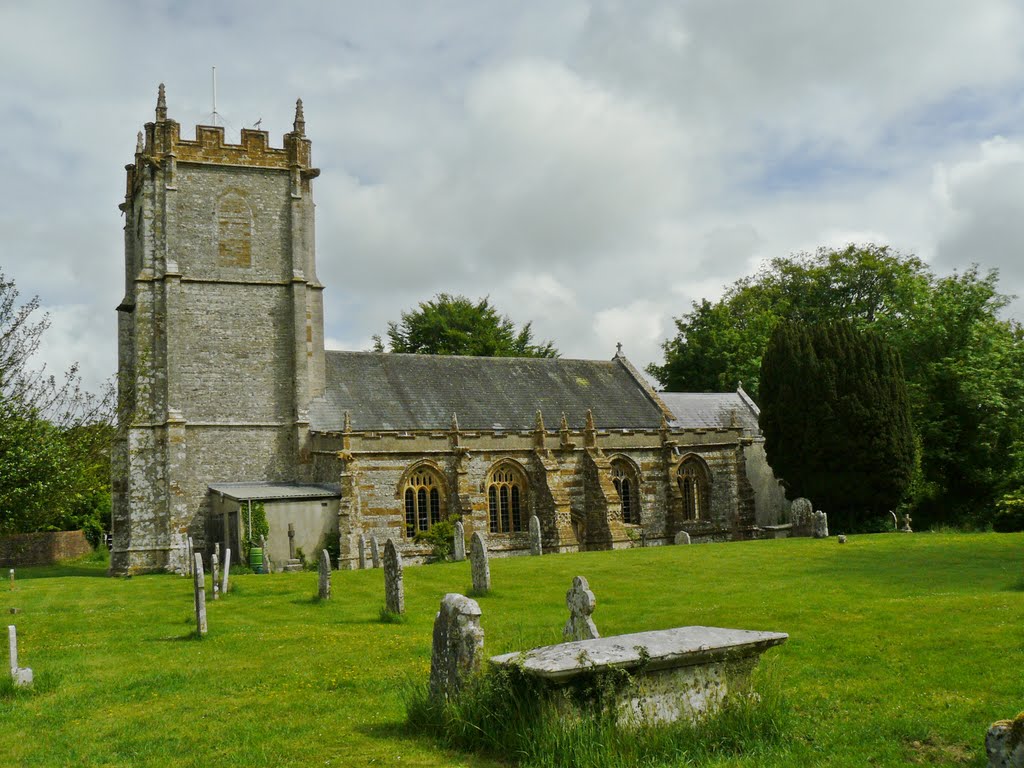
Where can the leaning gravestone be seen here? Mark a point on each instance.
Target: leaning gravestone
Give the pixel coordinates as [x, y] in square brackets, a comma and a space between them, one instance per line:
[682, 538]
[458, 645]
[820, 525]
[21, 676]
[459, 542]
[362, 553]
[394, 589]
[214, 566]
[536, 547]
[324, 591]
[374, 552]
[479, 566]
[199, 585]
[581, 602]
[227, 570]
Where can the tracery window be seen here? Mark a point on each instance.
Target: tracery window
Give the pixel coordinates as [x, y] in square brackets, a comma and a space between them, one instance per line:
[692, 477]
[626, 484]
[424, 501]
[506, 498]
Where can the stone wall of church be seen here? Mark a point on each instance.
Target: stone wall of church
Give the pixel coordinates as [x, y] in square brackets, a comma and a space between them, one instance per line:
[567, 486]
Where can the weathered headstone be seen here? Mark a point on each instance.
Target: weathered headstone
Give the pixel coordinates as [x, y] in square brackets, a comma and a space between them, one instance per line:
[581, 602]
[324, 591]
[820, 525]
[190, 565]
[459, 542]
[362, 553]
[801, 510]
[12, 578]
[479, 566]
[682, 538]
[291, 541]
[214, 568]
[266, 554]
[1003, 744]
[199, 585]
[394, 589]
[20, 675]
[536, 547]
[216, 550]
[458, 645]
[841, 538]
[906, 524]
[227, 571]
[374, 552]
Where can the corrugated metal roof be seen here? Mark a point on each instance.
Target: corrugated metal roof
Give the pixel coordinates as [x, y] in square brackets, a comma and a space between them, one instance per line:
[387, 391]
[712, 409]
[263, 491]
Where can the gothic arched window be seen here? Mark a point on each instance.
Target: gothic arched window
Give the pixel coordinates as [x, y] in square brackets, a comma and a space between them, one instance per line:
[692, 477]
[424, 501]
[627, 486]
[506, 498]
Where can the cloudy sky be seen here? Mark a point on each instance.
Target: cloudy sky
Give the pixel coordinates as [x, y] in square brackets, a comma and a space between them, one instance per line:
[592, 166]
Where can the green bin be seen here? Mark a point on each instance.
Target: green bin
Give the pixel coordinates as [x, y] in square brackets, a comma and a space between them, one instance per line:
[256, 559]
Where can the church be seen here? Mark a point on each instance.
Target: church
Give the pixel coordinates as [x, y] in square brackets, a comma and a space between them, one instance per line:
[228, 398]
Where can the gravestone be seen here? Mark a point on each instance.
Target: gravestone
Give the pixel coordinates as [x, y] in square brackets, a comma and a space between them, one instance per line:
[459, 542]
[841, 538]
[458, 645]
[801, 510]
[374, 552]
[216, 550]
[682, 538]
[906, 524]
[12, 578]
[294, 564]
[227, 571]
[21, 676]
[581, 602]
[266, 555]
[1003, 744]
[478, 564]
[199, 585]
[394, 589]
[190, 565]
[324, 591]
[214, 567]
[362, 553]
[820, 525]
[536, 547]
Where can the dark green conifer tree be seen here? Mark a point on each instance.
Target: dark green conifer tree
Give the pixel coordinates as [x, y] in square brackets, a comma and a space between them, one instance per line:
[836, 420]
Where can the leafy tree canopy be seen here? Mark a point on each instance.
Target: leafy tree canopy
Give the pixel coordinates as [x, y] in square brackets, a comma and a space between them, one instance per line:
[54, 438]
[836, 419]
[961, 360]
[455, 325]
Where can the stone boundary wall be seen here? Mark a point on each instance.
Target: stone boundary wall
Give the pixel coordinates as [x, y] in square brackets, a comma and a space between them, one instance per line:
[46, 548]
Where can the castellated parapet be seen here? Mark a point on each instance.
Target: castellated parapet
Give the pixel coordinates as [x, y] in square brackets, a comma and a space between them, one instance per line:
[220, 332]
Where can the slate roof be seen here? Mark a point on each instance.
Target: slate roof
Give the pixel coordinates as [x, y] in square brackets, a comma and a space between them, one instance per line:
[388, 391]
[263, 490]
[712, 409]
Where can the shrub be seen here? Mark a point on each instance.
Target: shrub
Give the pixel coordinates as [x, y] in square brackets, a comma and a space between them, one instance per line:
[440, 537]
[1009, 515]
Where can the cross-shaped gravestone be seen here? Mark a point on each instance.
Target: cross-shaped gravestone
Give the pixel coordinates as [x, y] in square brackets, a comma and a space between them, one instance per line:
[536, 547]
[394, 589]
[459, 542]
[478, 565]
[580, 601]
[20, 675]
[324, 591]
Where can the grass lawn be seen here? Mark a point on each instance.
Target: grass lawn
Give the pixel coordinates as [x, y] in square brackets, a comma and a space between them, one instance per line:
[902, 650]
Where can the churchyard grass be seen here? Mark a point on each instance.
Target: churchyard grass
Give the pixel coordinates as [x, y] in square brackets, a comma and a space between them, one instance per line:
[902, 650]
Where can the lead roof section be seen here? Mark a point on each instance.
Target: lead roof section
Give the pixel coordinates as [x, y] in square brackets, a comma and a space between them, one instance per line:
[389, 391]
[711, 410]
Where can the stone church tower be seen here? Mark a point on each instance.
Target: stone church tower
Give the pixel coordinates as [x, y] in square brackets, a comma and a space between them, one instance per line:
[220, 332]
